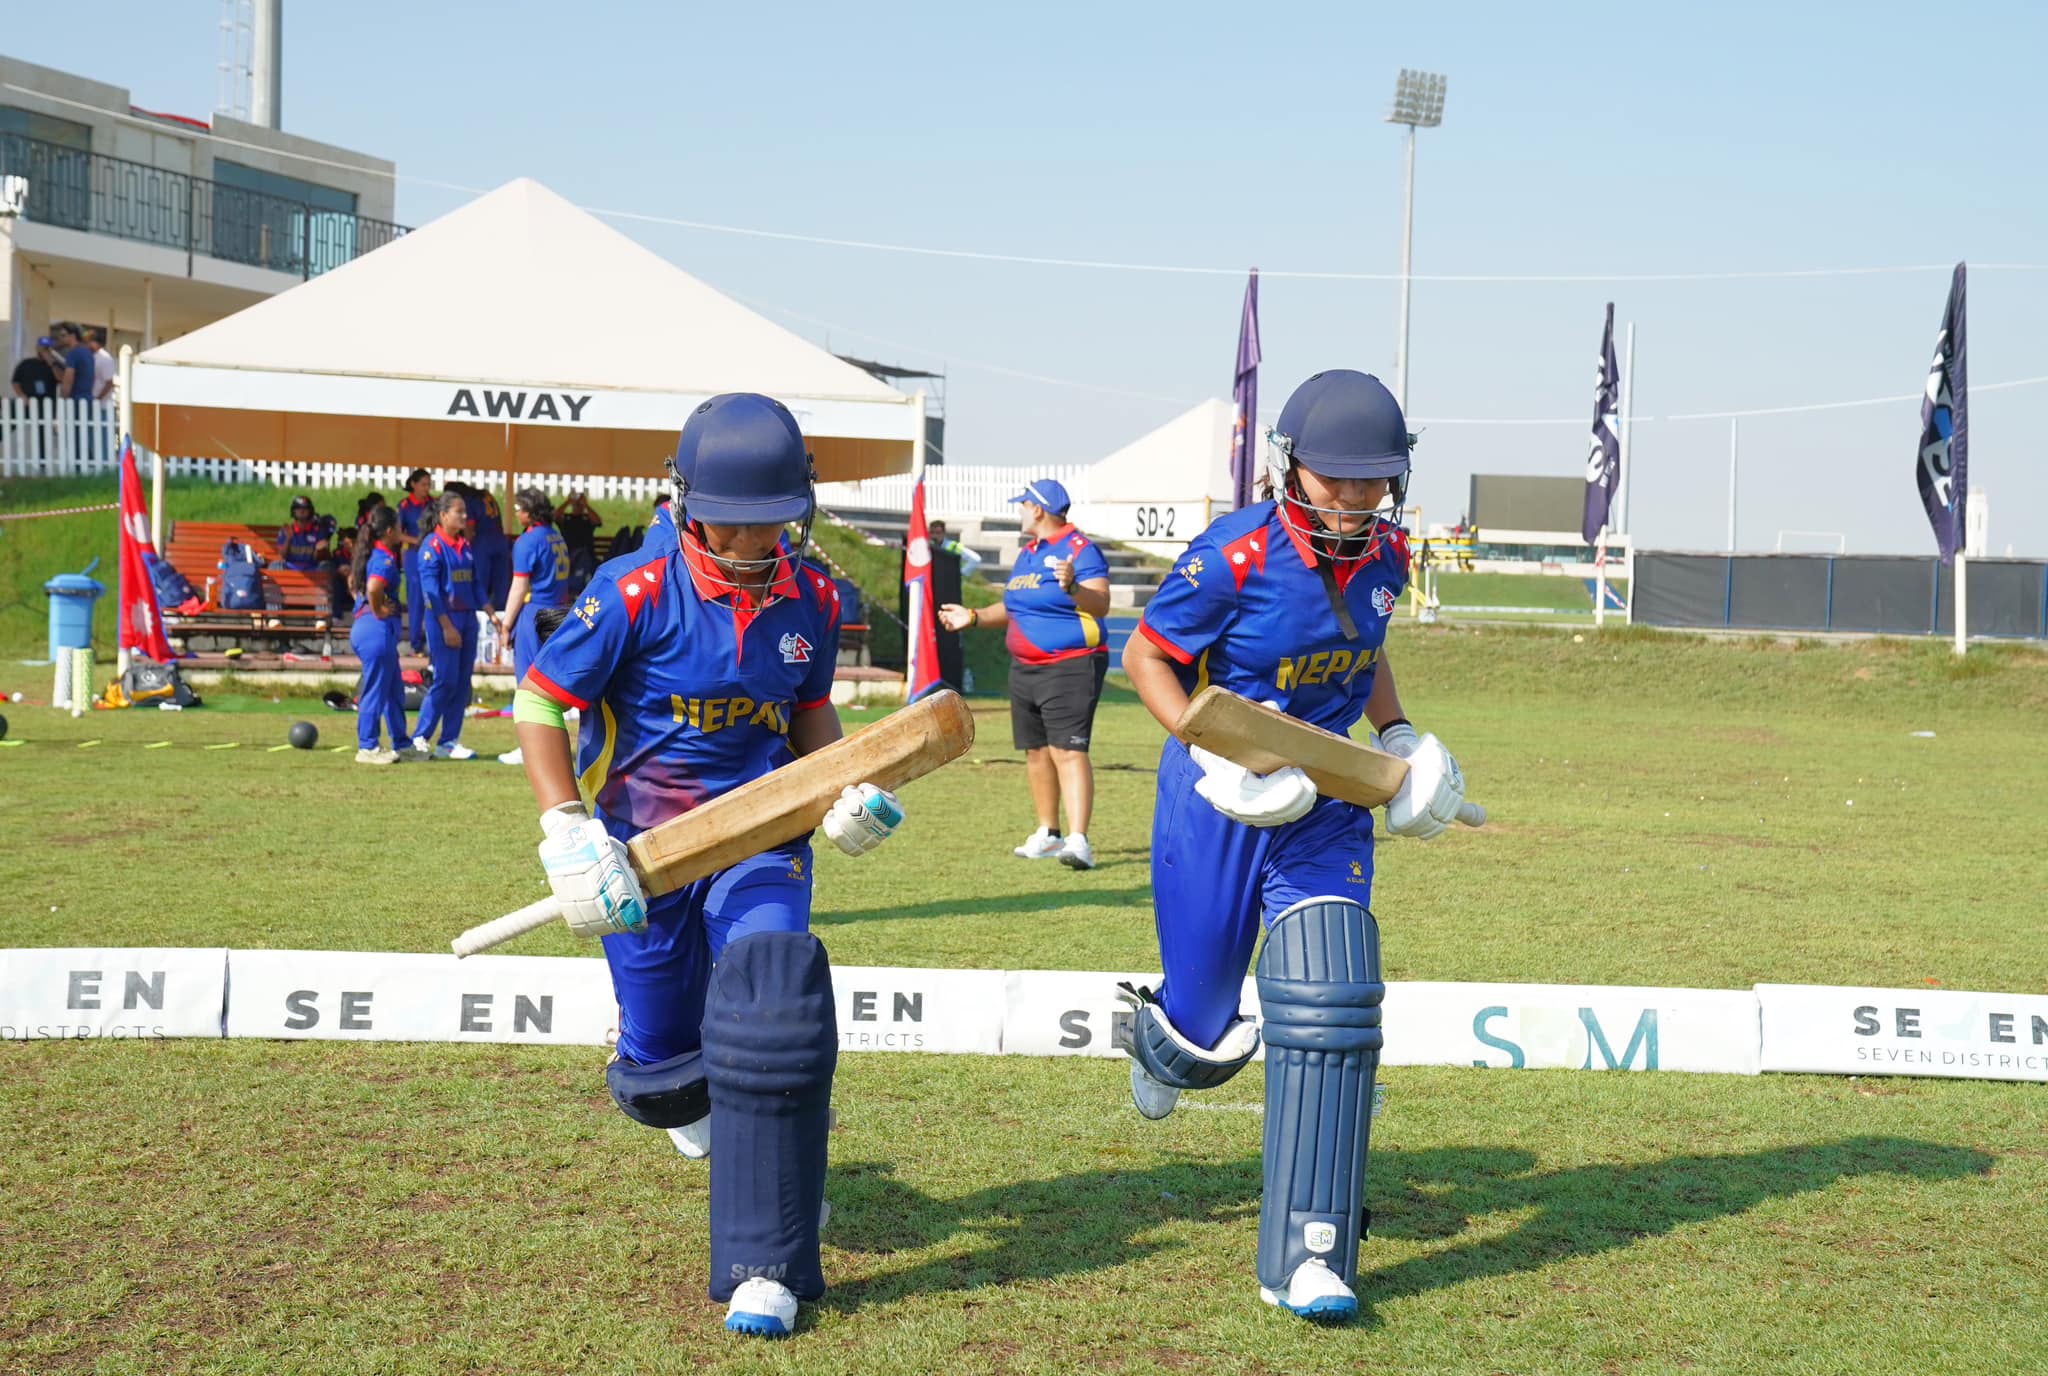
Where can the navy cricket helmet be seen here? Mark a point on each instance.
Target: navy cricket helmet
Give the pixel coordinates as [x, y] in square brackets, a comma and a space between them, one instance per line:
[1342, 423]
[741, 461]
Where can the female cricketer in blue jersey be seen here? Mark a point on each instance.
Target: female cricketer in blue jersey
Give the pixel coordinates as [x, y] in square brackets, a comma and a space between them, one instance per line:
[373, 635]
[449, 588]
[698, 669]
[1286, 601]
[540, 579]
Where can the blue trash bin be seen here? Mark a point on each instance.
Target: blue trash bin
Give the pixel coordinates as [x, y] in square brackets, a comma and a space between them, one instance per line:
[72, 596]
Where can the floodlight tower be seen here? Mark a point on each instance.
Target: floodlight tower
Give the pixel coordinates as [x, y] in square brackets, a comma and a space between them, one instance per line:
[1419, 104]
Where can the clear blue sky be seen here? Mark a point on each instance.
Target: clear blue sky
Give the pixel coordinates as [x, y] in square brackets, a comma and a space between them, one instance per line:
[1578, 138]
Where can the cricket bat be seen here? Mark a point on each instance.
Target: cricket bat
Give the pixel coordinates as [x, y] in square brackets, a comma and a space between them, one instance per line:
[1263, 739]
[777, 807]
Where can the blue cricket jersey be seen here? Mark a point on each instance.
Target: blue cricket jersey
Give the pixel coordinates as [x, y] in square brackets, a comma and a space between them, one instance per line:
[543, 556]
[687, 687]
[1045, 625]
[448, 575]
[382, 564]
[1245, 608]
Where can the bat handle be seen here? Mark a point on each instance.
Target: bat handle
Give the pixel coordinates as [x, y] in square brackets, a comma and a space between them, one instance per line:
[1471, 814]
[499, 930]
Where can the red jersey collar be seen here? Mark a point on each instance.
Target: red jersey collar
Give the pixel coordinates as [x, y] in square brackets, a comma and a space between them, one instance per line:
[713, 583]
[387, 549]
[458, 543]
[1062, 533]
[302, 527]
[410, 500]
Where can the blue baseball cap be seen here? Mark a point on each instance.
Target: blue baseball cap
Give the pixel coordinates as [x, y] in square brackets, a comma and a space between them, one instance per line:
[1049, 493]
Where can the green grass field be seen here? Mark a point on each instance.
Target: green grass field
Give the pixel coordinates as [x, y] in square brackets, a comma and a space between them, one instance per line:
[1667, 811]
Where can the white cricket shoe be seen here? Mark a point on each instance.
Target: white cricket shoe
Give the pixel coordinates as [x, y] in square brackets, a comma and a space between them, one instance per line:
[424, 746]
[693, 1139]
[455, 751]
[1039, 845]
[1314, 1292]
[761, 1309]
[374, 756]
[513, 756]
[1154, 1099]
[413, 754]
[1077, 854]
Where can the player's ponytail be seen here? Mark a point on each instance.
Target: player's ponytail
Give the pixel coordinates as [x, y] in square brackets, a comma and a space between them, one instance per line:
[381, 521]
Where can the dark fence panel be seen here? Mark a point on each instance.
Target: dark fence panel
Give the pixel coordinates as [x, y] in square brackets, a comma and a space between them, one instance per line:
[1679, 590]
[1895, 596]
[1876, 594]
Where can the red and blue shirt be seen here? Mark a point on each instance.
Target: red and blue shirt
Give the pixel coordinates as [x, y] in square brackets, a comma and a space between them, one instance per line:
[1246, 608]
[542, 555]
[448, 575]
[687, 687]
[1045, 625]
[381, 564]
[299, 542]
[412, 512]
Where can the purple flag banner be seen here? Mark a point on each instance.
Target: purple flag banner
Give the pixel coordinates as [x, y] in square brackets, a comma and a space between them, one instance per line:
[1603, 458]
[1244, 436]
[1943, 468]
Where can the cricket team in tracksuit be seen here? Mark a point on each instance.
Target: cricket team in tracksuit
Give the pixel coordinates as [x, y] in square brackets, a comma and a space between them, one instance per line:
[449, 588]
[380, 697]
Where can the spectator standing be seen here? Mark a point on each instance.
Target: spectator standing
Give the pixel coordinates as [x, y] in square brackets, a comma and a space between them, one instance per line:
[34, 378]
[1052, 610]
[79, 371]
[578, 522]
[942, 542]
[103, 367]
[415, 523]
[448, 582]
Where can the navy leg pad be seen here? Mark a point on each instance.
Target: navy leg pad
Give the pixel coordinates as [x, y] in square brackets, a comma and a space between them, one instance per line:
[1173, 1059]
[1319, 996]
[771, 1043]
[666, 1094]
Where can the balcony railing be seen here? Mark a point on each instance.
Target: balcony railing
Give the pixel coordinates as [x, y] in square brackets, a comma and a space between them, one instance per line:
[152, 205]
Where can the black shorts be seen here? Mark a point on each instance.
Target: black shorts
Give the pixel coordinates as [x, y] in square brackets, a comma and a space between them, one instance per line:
[1054, 704]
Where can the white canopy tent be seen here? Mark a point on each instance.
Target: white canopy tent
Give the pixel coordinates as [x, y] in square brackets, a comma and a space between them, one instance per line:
[1161, 489]
[517, 333]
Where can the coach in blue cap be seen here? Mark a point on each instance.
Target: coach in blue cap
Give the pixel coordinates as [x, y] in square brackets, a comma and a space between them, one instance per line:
[1052, 610]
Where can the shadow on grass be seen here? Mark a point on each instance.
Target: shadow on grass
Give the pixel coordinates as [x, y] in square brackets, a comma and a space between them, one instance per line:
[1092, 1220]
[1138, 899]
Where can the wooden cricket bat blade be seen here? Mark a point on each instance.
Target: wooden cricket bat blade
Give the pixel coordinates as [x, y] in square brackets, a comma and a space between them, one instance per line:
[782, 805]
[1264, 739]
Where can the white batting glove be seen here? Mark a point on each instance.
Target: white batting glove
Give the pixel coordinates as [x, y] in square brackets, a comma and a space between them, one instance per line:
[590, 873]
[1257, 800]
[863, 818]
[1433, 794]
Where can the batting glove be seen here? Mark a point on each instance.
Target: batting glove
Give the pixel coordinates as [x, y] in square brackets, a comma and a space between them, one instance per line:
[863, 818]
[1257, 800]
[591, 874]
[1433, 792]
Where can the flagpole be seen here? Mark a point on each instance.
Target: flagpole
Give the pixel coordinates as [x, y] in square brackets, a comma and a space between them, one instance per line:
[1628, 406]
[1962, 601]
[917, 444]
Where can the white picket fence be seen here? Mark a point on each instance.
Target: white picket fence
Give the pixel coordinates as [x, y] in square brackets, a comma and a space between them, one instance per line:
[954, 490]
[65, 439]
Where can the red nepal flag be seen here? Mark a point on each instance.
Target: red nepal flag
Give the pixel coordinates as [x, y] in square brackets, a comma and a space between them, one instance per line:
[142, 621]
[921, 629]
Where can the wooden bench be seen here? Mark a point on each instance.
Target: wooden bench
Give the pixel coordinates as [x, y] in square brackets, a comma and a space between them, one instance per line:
[298, 605]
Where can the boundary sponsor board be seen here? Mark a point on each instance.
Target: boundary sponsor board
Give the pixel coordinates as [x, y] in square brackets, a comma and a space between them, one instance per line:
[1572, 1027]
[89, 992]
[1941, 1032]
[86, 992]
[392, 996]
